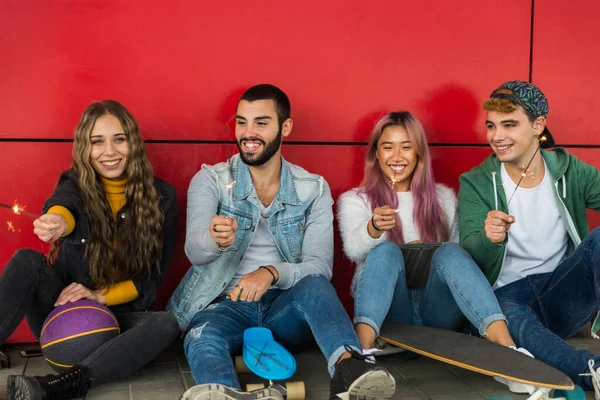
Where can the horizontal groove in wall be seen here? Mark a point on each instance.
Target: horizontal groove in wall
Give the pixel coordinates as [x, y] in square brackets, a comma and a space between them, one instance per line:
[293, 143]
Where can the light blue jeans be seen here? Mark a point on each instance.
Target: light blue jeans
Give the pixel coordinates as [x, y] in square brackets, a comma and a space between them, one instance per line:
[308, 311]
[456, 288]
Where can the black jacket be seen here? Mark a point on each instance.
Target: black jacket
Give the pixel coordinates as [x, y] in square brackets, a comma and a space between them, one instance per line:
[71, 264]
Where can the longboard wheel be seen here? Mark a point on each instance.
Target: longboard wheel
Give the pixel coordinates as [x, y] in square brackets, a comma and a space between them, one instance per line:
[240, 365]
[254, 386]
[295, 391]
[575, 394]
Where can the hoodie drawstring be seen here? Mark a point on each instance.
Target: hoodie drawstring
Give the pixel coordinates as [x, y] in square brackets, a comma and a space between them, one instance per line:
[495, 189]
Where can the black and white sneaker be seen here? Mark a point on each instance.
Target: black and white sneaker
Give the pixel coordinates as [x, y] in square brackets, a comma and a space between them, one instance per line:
[360, 378]
[215, 391]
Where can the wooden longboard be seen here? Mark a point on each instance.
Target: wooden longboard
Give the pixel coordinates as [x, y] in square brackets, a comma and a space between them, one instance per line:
[475, 354]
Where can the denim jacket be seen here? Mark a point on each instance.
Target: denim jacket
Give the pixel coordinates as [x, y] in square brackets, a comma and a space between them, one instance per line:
[300, 220]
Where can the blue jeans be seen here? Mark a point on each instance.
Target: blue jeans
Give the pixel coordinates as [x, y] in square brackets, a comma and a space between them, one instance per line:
[456, 287]
[544, 309]
[310, 308]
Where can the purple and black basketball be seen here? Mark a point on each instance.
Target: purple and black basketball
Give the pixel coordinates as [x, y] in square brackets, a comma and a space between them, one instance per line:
[74, 331]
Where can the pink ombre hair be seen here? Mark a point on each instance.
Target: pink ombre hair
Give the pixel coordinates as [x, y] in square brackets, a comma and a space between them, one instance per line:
[428, 214]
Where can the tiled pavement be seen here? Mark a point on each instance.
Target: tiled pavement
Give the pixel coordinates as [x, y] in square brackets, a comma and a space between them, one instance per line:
[421, 378]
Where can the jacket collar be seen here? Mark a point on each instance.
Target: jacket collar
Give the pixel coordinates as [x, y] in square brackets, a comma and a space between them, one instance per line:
[244, 187]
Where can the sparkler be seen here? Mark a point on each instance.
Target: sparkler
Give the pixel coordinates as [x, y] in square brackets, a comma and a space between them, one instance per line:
[19, 210]
[11, 228]
[526, 171]
[229, 186]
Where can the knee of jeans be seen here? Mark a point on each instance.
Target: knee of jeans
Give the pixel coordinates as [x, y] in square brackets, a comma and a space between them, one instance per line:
[451, 255]
[27, 261]
[167, 324]
[388, 252]
[201, 337]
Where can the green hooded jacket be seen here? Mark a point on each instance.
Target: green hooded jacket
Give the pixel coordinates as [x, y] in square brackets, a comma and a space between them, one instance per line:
[577, 187]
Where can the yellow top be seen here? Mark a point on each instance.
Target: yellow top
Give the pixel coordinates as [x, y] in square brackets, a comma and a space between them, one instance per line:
[122, 292]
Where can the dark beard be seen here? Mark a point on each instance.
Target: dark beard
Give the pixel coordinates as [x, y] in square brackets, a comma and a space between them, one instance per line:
[269, 150]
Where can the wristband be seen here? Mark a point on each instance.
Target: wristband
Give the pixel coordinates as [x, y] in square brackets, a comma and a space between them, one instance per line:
[271, 272]
[373, 223]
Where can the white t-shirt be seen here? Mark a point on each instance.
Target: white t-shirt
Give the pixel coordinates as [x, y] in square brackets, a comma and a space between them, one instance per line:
[262, 250]
[538, 239]
[406, 205]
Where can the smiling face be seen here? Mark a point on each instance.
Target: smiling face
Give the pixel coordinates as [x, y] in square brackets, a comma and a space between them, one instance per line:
[257, 131]
[110, 149]
[397, 156]
[512, 136]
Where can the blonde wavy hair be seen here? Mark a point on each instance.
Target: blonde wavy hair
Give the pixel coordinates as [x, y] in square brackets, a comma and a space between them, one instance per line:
[138, 245]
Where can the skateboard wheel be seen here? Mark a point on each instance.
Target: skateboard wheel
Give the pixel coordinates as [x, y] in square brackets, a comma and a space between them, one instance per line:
[575, 394]
[379, 343]
[240, 365]
[295, 391]
[254, 386]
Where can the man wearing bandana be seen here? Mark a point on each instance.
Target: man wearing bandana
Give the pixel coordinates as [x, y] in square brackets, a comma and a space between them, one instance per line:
[523, 218]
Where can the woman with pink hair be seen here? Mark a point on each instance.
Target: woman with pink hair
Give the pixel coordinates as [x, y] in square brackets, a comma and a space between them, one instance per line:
[399, 202]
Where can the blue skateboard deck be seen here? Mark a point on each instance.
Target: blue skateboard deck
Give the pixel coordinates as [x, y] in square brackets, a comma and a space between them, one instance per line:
[265, 357]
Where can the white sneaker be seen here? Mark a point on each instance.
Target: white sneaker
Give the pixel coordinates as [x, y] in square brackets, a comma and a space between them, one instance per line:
[215, 391]
[595, 374]
[517, 387]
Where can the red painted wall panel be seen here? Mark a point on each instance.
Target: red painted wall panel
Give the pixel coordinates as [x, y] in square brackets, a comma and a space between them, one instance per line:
[180, 65]
[565, 66]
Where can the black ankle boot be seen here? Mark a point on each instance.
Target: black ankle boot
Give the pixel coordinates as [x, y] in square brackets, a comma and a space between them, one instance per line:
[70, 385]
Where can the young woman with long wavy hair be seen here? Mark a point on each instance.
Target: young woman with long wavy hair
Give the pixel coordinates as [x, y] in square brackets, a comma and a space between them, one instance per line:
[399, 202]
[111, 225]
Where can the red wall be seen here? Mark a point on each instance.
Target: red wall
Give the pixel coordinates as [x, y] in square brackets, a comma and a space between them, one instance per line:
[180, 66]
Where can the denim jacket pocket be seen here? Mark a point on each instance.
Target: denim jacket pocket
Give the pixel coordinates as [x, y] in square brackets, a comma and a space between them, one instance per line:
[293, 231]
[244, 224]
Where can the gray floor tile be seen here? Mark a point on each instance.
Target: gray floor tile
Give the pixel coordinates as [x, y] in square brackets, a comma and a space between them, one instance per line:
[157, 382]
[317, 394]
[110, 391]
[183, 362]
[188, 380]
[38, 366]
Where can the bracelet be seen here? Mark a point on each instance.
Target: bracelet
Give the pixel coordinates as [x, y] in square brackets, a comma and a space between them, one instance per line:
[271, 272]
[223, 249]
[373, 223]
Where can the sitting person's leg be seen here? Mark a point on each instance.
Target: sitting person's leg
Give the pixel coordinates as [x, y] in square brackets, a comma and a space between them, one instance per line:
[380, 292]
[144, 335]
[28, 287]
[545, 309]
[457, 288]
[312, 308]
[214, 335]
